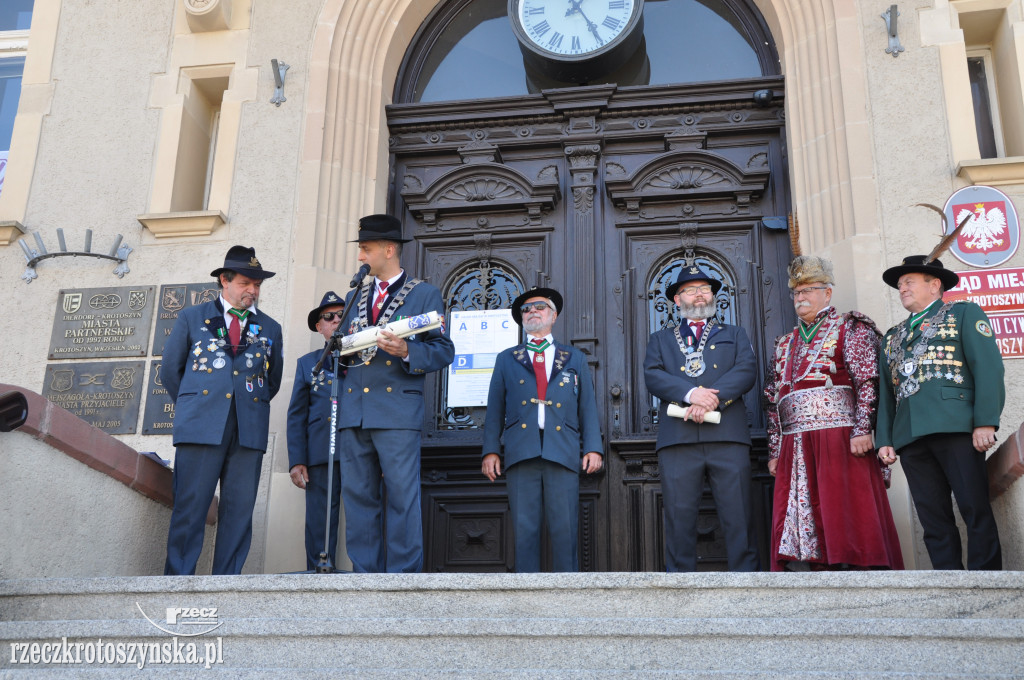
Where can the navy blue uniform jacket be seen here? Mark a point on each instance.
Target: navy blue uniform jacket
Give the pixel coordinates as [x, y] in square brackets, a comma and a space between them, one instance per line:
[386, 393]
[731, 369]
[203, 397]
[571, 425]
[309, 414]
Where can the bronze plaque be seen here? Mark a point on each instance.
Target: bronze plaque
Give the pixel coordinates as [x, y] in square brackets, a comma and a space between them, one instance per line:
[105, 394]
[102, 322]
[158, 418]
[173, 299]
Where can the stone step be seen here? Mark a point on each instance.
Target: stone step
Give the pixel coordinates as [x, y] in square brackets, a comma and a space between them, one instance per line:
[836, 625]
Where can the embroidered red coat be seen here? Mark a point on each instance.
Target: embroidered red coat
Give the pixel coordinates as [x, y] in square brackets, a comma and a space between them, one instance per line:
[830, 507]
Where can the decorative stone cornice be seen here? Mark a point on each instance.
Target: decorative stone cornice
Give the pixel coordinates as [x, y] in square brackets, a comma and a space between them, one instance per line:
[192, 223]
[993, 171]
[10, 231]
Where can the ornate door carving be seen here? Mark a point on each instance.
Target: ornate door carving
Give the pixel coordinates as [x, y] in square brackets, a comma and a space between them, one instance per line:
[599, 193]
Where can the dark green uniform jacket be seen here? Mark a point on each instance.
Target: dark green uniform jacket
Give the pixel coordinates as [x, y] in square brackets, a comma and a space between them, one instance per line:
[960, 377]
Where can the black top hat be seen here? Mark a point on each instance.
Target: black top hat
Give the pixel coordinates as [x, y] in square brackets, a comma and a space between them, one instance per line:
[380, 228]
[242, 260]
[692, 272]
[549, 293]
[917, 264]
[331, 299]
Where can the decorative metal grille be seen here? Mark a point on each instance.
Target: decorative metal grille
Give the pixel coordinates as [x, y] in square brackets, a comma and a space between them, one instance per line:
[662, 312]
[480, 285]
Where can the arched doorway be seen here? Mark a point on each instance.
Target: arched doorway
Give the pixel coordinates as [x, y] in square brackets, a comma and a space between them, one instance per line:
[598, 190]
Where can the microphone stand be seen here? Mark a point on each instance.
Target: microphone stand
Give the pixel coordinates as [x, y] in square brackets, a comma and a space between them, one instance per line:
[324, 565]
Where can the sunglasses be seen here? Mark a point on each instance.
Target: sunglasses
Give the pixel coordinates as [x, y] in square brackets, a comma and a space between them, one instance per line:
[329, 316]
[540, 306]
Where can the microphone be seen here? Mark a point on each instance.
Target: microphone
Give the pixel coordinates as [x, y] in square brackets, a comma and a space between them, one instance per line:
[360, 275]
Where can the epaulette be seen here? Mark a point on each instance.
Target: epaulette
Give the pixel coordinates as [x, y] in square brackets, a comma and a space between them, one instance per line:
[862, 319]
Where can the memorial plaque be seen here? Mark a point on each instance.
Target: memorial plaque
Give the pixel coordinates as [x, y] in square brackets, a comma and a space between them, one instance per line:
[173, 299]
[158, 417]
[102, 322]
[105, 394]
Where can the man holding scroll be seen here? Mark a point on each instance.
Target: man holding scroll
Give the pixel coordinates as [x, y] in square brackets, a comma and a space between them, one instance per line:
[710, 366]
[381, 406]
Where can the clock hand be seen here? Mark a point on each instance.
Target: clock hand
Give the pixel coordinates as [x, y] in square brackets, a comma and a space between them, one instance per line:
[591, 26]
[575, 7]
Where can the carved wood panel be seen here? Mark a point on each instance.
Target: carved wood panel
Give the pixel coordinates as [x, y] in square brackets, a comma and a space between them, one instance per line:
[596, 193]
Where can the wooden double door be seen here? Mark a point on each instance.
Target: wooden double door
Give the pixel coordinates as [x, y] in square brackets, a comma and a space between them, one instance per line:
[601, 193]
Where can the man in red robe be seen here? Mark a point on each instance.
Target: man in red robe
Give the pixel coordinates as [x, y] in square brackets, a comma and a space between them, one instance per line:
[830, 507]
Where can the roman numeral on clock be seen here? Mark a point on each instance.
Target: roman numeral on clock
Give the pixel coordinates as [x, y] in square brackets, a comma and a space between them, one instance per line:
[541, 28]
[611, 22]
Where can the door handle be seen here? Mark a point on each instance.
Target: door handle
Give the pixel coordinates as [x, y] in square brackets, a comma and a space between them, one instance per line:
[615, 392]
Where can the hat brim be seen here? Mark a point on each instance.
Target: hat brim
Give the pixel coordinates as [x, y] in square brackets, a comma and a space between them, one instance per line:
[259, 274]
[380, 238]
[549, 293]
[892, 275]
[670, 292]
[314, 314]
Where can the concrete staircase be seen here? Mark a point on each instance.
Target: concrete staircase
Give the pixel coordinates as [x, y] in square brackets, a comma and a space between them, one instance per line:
[835, 625]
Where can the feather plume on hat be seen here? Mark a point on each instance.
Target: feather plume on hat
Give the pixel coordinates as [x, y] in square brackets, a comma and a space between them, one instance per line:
[947, 240]
[809, 269]
[794, 233]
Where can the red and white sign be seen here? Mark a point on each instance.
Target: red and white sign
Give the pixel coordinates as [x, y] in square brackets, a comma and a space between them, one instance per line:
[1000, 292]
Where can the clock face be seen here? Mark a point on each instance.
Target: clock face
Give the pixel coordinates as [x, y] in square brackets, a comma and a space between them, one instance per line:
[574, 27]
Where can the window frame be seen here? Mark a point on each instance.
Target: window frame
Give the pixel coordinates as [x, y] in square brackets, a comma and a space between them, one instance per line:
[995, 117]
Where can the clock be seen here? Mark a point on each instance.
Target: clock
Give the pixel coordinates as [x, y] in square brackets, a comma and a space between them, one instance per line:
[577, 40]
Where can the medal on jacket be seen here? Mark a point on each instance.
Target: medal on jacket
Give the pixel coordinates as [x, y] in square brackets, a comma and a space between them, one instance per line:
[906, 366]
[693, 361]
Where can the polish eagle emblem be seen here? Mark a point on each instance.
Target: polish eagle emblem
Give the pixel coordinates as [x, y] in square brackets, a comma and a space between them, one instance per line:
[985, 230]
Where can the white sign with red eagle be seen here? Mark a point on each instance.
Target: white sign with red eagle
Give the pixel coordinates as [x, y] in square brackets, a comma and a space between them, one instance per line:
[992, 232]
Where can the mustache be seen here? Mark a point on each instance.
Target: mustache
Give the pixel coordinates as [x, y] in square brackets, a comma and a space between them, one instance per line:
[803, 303]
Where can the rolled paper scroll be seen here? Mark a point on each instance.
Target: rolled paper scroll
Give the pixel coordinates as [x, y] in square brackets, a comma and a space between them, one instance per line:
[677, 411]
[403, 328]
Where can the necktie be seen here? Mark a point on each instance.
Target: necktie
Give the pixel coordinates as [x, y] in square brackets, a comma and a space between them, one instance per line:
[378, 303]
[235, 329]
[698, 328]
[539, 369]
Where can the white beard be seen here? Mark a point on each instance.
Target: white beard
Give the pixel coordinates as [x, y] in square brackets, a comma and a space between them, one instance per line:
[697, 312]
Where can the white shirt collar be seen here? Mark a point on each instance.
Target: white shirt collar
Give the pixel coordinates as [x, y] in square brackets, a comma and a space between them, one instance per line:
[390, 282]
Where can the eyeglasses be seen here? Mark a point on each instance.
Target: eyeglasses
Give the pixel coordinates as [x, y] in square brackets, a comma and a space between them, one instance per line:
[693, 290]
[797, 293]
[329, 316]
[540, 306]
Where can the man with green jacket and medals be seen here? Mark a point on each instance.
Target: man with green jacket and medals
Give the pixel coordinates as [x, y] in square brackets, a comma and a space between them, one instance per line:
[940, 397]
